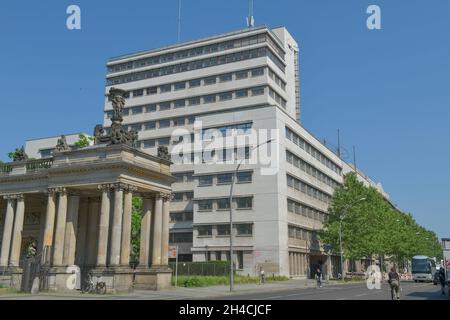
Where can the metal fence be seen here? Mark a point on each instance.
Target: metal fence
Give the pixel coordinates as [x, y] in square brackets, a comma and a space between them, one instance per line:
[201, 268]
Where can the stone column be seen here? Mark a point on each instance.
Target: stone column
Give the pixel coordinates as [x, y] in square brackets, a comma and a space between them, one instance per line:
[61, 220]
[116, 236]
[7, 231]
[126, 226]
[147, 209]
[49, 225]
[18, 229]
[165, 230]
[157, 235]
[103, 229]
[92, 232]
[70, 242]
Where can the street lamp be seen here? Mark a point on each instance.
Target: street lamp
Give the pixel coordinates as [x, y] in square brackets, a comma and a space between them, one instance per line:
[341, 217]
[231, 212]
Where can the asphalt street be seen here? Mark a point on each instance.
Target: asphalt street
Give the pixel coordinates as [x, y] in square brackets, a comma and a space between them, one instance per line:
[410, 291]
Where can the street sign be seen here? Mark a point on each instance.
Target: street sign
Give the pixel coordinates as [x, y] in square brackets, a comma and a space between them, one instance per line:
[173, 252]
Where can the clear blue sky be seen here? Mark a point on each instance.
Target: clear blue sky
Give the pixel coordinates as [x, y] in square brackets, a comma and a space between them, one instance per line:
[388, 91]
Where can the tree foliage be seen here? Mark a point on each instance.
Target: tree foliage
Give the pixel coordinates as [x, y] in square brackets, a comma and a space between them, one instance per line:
[373, 227]
[84, 141]
[136, 230]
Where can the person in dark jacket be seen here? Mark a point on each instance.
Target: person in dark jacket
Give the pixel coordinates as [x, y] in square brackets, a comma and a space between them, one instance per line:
[319, 277]
[394, 282]
[442, 279]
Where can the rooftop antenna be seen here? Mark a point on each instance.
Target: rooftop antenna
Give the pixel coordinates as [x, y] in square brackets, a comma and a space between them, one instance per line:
[339, 143]
[250, 18]
[179, 21]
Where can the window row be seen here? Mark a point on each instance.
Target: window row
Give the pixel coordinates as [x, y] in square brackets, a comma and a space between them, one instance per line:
[195, 83]
[310, 170]
[225, 178]
[198, 64]
[278, 99]
[224, 230]
[308, 190]
[184, 176]
[301, 234]
[183, 196]
[295, 138]
[195, 52]
[277, 80]
[227, 131]
[242, 203]
[180, 237]
[181, 217]
[306, 211]
[194, 101]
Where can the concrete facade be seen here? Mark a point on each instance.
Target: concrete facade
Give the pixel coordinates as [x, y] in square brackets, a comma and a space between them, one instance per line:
[246, 79]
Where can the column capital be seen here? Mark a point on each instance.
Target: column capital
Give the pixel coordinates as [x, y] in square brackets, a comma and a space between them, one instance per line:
[166, 196]
[105, 187]
[60, 190]
[13, 196]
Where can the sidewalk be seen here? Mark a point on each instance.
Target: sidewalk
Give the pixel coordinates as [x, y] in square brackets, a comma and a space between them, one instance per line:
[180, 293]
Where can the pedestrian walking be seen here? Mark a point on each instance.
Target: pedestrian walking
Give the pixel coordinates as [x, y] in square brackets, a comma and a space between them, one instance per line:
[394, 282]
[319, 278]
[442, 279]
[262, 276]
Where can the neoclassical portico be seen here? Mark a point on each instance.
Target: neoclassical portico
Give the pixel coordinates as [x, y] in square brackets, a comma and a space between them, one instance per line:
[82, 203]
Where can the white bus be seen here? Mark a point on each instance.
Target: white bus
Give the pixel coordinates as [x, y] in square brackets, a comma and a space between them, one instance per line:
[423, 268]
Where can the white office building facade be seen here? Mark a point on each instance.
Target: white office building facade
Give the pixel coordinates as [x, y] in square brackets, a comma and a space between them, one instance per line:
[238, 83]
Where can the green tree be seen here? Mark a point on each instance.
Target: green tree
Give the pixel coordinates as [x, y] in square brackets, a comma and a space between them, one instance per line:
[136, 230]
[84, 141]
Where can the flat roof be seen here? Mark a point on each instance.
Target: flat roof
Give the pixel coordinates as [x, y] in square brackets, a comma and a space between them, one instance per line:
[179, 45]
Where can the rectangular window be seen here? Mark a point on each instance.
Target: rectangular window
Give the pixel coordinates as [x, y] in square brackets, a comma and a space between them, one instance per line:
[224, 178]
[195, 83]
[164, 141]
[135, 127]
[180, 103]
[189, 177]
[244, 229]
[136, 110]
[223, 204]
[241, 75]
[210, 81]
[241, 94]
[138, 93]
[258, 72]
[188, 216]
[225, 96]
[204, 231]
[176, 216]
[178, 196]
[205, 181]
[191, 120]
[226, 77]
[244, 203]
[180, 86]
[149, 143]
[178, 122]
[152, 90]
[189, 195]
[244, 177]
[164, 123]
[150, 108]
[205, 205]
[209, 99]
[258, 91]
[194, 101]
[151, 125]
[164, 106]
[166, 88]
[179, 177]
[223, 230]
